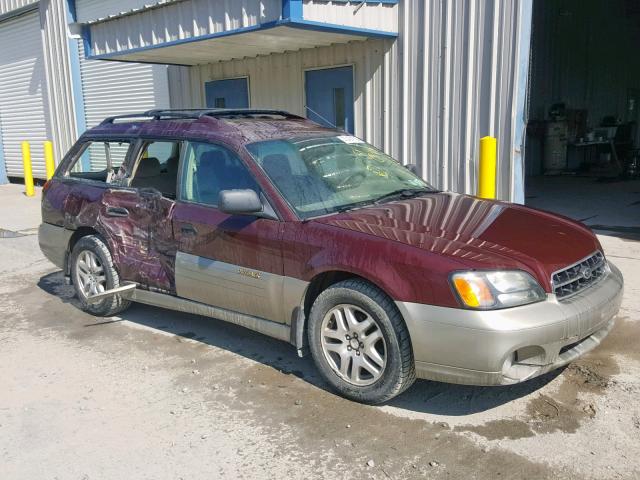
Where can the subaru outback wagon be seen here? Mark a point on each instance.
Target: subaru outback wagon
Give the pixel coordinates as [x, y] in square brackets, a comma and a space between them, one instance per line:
[312, 236]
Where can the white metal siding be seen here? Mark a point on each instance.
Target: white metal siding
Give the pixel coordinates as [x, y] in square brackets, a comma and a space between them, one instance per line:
[460, 74]
[89, 10]
[375, 16]
[7, 6]
[23, 115]
[180, 20]
[114, 88]
[62, 118]
[277, 81]
[451, 78]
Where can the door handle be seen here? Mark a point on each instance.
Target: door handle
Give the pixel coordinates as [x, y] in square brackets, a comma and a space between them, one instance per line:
[117, 212]
[188, 229]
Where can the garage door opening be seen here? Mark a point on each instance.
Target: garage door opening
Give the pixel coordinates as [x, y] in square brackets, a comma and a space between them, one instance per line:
[582, 154]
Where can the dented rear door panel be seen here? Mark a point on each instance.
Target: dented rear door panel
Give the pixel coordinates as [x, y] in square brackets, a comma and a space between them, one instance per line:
[136, 225]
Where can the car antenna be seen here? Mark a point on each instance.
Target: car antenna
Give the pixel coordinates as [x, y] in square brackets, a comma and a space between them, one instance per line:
[307, 107]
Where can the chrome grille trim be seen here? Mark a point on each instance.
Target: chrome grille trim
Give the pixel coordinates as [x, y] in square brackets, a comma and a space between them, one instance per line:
[578, 276]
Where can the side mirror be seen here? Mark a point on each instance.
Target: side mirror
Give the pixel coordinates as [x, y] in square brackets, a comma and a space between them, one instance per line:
[240, 202]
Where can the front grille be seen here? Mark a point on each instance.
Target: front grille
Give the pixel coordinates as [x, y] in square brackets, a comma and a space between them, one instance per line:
[578, 276]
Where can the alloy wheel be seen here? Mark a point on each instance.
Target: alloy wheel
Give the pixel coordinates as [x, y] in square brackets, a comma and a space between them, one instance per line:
[90, 274]
[353, 344]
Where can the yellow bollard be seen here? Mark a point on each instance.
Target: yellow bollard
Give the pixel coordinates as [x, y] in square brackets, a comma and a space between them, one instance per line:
[49, 164]
[487, 178]
[28, 172]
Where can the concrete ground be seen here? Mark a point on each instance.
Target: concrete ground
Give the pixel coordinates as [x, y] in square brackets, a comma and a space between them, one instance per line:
[607, 205]
[156, 394]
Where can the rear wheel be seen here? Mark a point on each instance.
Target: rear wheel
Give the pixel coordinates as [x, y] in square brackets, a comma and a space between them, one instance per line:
[93, 272]
[360, 343]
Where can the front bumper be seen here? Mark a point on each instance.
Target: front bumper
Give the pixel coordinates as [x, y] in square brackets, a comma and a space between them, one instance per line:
[501, 347]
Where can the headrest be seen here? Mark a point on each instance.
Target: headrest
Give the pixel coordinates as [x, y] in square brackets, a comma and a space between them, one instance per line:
[276, 165]
[148, 167]
[212, 157]
[172, 165]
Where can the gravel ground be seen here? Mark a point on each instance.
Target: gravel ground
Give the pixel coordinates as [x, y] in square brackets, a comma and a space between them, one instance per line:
[156, 394]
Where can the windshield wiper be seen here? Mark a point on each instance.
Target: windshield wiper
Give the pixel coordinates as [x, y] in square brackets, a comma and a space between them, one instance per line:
[353, 206]
[403, 193]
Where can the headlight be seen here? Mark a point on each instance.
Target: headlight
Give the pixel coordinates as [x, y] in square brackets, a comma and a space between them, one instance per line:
[499, 289]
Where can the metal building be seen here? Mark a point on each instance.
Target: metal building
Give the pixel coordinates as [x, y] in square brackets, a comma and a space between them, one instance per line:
[421, 79]
[49, 90]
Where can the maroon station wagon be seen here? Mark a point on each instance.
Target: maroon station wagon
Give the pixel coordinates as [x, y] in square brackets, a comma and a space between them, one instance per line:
[312, 236]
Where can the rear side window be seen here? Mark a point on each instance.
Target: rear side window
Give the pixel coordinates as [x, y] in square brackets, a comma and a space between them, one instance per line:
[208, 169]
[100, 161]
[157, 167]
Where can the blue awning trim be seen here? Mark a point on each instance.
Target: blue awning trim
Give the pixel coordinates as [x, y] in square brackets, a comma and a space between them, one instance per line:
[286, 22]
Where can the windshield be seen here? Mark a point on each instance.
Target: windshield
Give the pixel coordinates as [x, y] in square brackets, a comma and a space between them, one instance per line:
[320, 175]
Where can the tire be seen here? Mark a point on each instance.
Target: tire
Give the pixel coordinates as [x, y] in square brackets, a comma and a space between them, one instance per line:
[387, 349]
[83, 249]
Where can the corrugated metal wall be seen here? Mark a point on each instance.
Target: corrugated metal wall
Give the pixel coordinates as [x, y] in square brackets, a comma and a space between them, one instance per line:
[376, 16]
[62, 119]
[8, 5]
[159, 26]
[455, 74]
[461, 70]
[88, 10]
[277, 81]
[114, 88]
[23, 92]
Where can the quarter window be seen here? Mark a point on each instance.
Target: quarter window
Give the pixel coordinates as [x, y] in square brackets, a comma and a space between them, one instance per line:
[100, 161]
[208, 169]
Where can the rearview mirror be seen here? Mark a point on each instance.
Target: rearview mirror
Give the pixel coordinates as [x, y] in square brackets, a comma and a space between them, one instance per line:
[240, 202]
[413, 168]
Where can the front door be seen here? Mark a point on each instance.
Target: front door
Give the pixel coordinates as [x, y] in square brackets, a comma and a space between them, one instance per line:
[228, 261]
[229, 93]
[329, 95]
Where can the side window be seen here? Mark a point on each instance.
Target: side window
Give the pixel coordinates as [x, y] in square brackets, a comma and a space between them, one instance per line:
[100, 160]
[157, 167]
[208, 169]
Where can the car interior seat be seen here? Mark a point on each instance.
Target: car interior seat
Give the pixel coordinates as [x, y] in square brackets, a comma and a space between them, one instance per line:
[148, 173]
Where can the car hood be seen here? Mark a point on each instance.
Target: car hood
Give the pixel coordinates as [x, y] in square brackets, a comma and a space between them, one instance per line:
[477, 233]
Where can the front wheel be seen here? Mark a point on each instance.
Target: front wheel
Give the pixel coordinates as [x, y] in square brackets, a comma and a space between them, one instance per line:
[360, 342]
[93, 272]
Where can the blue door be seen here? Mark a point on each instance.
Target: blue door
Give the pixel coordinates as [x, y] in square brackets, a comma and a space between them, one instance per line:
[329, 95]
[230, 93]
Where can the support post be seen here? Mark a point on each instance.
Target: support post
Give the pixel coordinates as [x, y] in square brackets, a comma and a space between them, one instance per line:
[488, 160]
[28, 172]
[49, 163]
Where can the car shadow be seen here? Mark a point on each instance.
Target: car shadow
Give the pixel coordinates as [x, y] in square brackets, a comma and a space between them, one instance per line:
[424, 396]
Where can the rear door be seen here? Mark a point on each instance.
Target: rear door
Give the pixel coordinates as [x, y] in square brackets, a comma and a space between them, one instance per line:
[108, 187]
[228, 261]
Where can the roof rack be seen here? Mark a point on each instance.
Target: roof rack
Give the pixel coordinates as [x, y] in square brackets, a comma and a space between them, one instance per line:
[195, 113]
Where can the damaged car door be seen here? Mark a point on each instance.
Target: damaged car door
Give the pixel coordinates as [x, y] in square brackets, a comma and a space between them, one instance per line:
[228, 261]
[134, 222]
[140, 214]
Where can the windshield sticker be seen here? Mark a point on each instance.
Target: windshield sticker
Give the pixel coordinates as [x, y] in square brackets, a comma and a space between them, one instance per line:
[349, 139]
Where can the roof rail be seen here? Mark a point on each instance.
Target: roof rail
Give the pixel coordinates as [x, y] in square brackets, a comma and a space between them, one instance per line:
[221, 112]
[195, 113]
[149, 114]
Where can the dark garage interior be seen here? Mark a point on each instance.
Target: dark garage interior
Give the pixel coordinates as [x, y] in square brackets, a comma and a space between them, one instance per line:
[582, 154]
